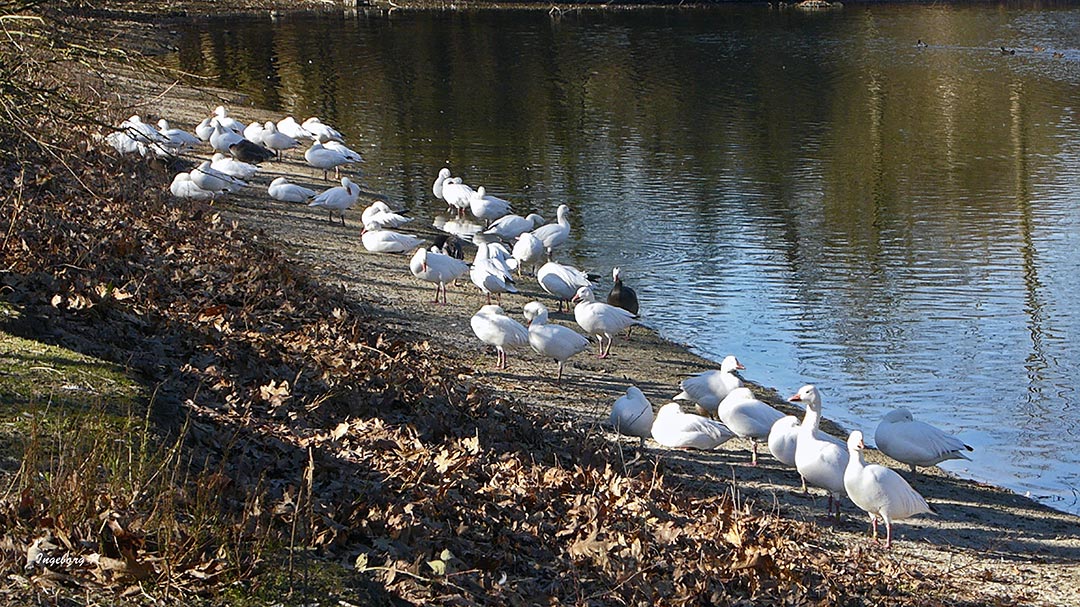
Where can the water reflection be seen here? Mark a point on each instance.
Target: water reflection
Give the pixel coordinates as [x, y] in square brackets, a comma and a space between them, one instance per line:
[813, 191]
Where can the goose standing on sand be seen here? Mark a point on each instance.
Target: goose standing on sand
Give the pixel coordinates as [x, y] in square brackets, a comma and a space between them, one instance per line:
[493, 327]
[321, 132]
[561, 281]
[177, 141]
[552, 341]
[600, 319]
[388, 241]
[528, 251]
[379, 216]
[820, 461]
[183, 187]
[323, 158]
[205, 129]
[451, 190]
[276, 140]
[915, 443]
[344, 150]
[281, 189]
[622, 296]
[487, 208]
[748, 417]
[232, 166]
[509, 227]
[632, 414]
[554, 235]
[879, 491]
[707, 389]
[214, 180]
[339, 198]
[673, 428]
[783, 439]
[490, 275]
[437, 268]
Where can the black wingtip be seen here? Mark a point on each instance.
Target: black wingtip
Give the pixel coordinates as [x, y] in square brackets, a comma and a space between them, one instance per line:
[969, 447]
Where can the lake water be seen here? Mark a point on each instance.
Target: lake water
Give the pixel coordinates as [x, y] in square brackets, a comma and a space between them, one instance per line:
[813, 191]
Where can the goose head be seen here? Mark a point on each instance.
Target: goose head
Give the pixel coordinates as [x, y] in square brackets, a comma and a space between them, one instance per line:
[855, 442]
[730, 363]
[808, 395]
[897, 415]
[535, 312]
[583, 294]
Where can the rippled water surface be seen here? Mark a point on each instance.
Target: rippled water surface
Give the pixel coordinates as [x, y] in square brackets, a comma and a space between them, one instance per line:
[811, 191]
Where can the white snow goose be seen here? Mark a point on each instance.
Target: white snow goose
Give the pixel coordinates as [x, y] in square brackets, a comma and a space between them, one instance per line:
[553, 341]
[487, 208]
[222, 137]
[492, 326]
[707, 389]
[561, 281]
[528, 251]
[281, 189]
[388, 241]
[232, 166]
[437, 268]
[321, 132]
[183, 187]
[209, 178]
[177, 141]
[489, 274]
[509, 227]
[600, 319]
[879, 491]
[323, 158]
[555, 234]
[379, 216]
[916, 443]
[276, 140]
[632, 414]
[451, 190]
[821, 462]
[254, 132]
[289, 126]
[339, 198]
[674, 428]
[748, 417]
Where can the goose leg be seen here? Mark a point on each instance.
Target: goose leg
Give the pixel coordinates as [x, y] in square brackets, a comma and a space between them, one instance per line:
[753, 452]
[558, 378]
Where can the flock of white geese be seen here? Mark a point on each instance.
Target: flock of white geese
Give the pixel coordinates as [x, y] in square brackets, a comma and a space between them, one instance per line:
[509, 246]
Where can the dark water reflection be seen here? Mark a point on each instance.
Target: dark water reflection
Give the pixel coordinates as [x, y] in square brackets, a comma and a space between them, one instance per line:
[811, 191]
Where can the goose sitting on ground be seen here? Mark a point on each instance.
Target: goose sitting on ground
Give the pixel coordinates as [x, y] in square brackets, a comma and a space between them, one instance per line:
[277, 141]
[321, 132]
[554, 235]
[379, 216]
[492, 326]
[600, 319]
[339, 198]
[748, 417]
[879, 491]
[528, 251]
[177, 141]
[561, 281]
[246, 151]
[437, 268]
[487, 208]
[222, 138]
[709, 388]
[254, 132]
[622, 296]
[552, 341]
[183, 187]
[673, 428]
[916, 443]
[205, 129]
[232, 166]
[632, 414]
[489, 274]
[509, 227]
[388, 241]
[226, 121]
[208, 178]
[289, 126]
[281, 189]
[323, 158]
[820, 461]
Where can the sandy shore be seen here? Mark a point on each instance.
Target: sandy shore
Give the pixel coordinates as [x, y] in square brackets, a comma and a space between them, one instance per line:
[1003, 543]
